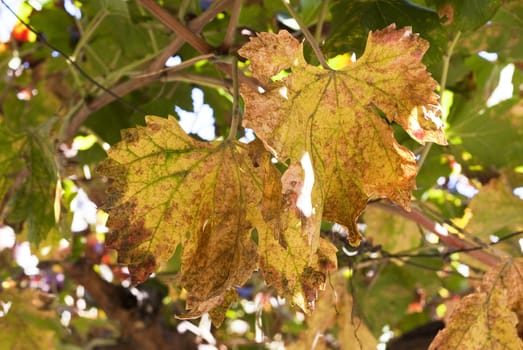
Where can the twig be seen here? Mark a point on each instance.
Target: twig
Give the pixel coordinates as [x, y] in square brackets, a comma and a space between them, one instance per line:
[307, 34]
[173, 24]
[236, 115]
[443, 83]
[195, 41]
[196, 25]
[197, 79]
[179, 67]
[233, 22]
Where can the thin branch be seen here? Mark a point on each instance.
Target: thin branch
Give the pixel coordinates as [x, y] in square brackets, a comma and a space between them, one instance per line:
[449, 239]
[307, 34]
[173, 24]
[443, 83]
[236, 115]
[197, 79]
[233, 22]
[177, 68]
[196, 26]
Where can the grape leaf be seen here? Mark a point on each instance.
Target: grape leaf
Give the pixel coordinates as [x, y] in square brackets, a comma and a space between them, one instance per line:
[466, 15]
[334, 314]
[486, 319]
[297, 267]
[333, 118]
[167, 188]
[502, 34]
[485, 133]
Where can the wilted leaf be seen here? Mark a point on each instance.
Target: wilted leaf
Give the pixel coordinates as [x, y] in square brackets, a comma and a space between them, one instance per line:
[168, 189]
[334, 314]
[333, 118]
[486, 319]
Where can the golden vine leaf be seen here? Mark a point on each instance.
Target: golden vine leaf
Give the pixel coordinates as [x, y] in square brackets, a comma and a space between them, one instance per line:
[487, 318]
[168, 189]
[335, 118]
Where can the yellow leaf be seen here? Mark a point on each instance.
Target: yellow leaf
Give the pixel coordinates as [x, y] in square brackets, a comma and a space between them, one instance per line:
[333, 117]
[166, 189]
[487, 319]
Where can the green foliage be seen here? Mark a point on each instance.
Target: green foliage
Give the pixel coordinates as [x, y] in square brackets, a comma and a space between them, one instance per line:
[205, 215]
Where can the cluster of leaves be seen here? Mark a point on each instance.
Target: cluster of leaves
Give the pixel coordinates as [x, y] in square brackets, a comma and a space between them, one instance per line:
[294, 203]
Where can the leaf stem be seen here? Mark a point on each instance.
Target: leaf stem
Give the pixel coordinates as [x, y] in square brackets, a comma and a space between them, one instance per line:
[308, 36]
[236, 115]
[321, 20]
[442, 87]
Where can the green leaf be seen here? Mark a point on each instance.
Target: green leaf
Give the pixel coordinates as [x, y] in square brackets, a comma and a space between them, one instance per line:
[466, 15]
[502, 35]
[387, 294]
[56, 26]
[28, 180]
[352, 21]
[486, 133]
